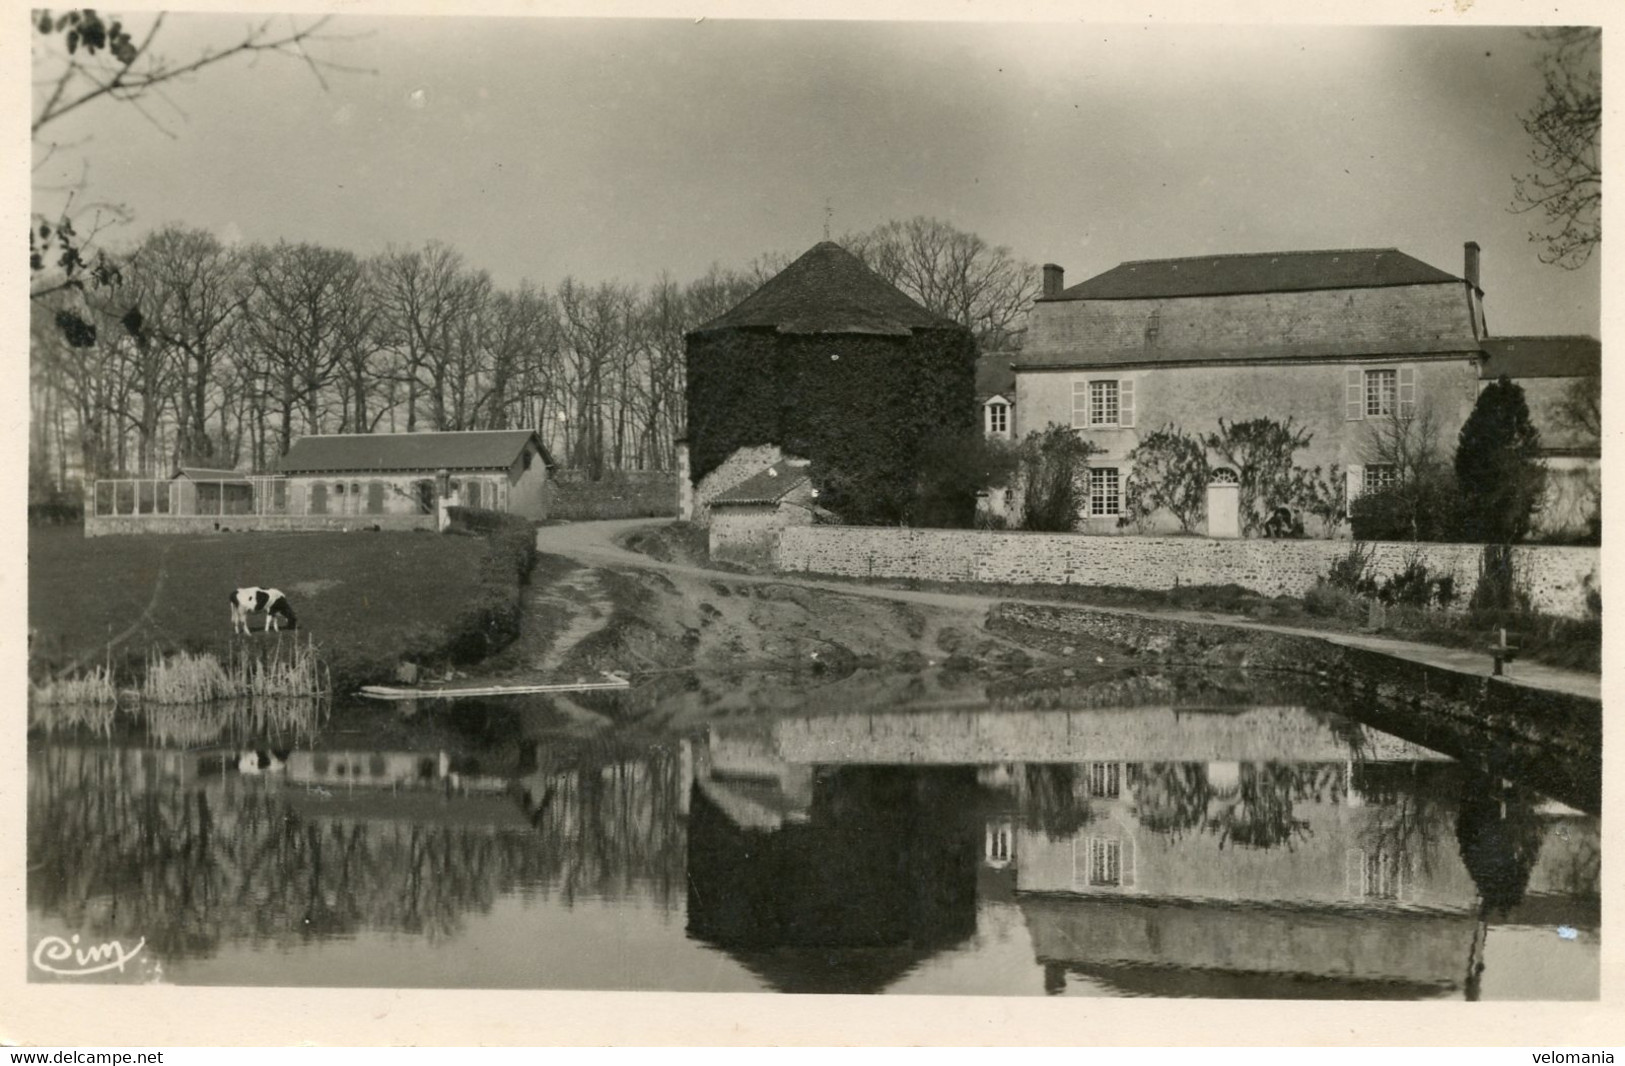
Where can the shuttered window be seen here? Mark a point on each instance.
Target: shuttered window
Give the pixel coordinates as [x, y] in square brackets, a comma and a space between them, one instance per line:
[1103, 403]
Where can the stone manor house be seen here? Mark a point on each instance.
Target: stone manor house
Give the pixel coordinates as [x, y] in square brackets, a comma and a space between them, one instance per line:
[1334, 340]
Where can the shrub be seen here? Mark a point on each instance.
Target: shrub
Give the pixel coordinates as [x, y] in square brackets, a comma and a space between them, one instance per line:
[1415, 587]
[1171, 474]
[953, 468]
[1426, 508]
[1351, 572]
[1499, 585]
[1326, 600]
[1261, 451]
[1054, 478]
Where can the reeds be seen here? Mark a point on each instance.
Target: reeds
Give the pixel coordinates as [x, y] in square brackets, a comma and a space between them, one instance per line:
[283, 670]
[94, 687]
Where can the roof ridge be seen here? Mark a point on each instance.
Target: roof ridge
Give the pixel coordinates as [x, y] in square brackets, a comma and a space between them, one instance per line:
[1263, 255]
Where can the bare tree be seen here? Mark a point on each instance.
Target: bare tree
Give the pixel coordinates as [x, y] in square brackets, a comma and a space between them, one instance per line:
[953, 273]
[192, 290]
[1564, 182]
[309, 307]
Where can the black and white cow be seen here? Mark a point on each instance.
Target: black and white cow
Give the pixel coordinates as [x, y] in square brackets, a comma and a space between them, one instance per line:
[271, 602]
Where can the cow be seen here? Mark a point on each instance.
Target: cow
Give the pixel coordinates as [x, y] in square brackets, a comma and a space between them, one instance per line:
[271, 602]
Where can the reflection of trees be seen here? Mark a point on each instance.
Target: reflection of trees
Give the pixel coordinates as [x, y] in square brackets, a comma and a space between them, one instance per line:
[1054, 799]
[117, 849]
[1173, 798]
[1500, 836]
[1170, 798]
[609, 822]
[1406, 803]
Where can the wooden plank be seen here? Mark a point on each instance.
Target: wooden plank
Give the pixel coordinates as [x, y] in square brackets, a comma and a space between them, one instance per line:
[390, 692]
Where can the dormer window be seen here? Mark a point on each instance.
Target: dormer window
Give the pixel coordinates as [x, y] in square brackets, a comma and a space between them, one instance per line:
[996, 417]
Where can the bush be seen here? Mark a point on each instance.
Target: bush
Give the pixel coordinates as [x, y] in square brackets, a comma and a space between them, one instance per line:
[1415, 587]
[1423, 509]
[1352, 571]
[1171, 474]
[1054, 477]
[1326, 600]
[953, 468]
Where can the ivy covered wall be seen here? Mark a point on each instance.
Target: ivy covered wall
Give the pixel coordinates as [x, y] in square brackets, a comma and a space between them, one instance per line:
[857, 405]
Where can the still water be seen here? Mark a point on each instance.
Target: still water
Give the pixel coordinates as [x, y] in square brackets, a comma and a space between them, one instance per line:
[977, 845]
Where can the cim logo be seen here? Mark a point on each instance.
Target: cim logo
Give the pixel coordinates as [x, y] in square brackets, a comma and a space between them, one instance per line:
[68, 959]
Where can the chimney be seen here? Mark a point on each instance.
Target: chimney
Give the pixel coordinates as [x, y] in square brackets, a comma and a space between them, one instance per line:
[1470, 268]
[1053, 279]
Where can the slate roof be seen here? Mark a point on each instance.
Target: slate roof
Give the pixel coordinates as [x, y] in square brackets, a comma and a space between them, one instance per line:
[769, 486]
[1541, 357]
[828, 290]
[205, 473]
[994, 376]
[399, 452]
[1258, 272]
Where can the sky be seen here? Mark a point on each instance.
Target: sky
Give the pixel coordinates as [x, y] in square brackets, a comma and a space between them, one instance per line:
[627, 148]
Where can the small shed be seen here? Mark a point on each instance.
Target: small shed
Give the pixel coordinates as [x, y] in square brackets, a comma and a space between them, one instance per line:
[200, 490]
[394, 473]
[747, 518]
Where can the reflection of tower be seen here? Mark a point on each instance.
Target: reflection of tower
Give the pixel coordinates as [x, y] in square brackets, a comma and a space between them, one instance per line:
[880, 875]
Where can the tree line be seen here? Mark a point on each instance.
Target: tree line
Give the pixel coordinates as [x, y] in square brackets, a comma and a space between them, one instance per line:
[196, 352]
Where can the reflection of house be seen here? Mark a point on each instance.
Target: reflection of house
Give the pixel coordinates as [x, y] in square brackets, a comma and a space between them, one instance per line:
[394, 473]
[1277, 882]
[1549, 370]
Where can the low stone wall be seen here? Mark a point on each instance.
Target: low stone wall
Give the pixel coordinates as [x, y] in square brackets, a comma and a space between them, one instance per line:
[1558, 578]
[572, 495]
[115, 525]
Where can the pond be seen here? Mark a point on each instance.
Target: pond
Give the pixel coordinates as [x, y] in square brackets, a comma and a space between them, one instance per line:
[1083, 841]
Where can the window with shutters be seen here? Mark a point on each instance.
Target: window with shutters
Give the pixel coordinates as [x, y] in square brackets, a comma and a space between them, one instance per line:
[1103, 403]
[1378, 392]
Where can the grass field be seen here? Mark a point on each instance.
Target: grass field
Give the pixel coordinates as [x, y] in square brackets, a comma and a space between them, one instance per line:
[366, 598]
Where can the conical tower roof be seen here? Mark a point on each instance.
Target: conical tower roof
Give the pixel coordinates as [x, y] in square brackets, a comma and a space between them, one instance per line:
[829, 290]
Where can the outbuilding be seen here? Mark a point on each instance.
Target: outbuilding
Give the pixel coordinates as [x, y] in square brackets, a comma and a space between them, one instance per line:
[394, 473]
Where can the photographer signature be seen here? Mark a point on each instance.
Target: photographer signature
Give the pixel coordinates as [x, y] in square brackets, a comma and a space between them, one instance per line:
[76, 961]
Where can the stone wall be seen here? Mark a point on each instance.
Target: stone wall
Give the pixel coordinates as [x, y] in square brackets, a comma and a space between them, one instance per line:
[1558, 577]
[113, 525]
[625, 494]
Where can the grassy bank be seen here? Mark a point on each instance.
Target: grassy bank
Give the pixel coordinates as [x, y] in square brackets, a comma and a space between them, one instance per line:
[367, 599]
[1574, 644]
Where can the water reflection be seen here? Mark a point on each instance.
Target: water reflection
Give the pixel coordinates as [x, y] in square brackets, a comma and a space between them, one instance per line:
[1129, 850]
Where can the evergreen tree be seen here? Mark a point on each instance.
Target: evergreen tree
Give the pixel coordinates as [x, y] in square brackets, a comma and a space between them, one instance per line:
[1498, 466]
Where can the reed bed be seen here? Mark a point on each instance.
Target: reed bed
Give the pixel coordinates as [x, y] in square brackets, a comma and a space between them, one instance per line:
[285, 669]
[95, 687]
